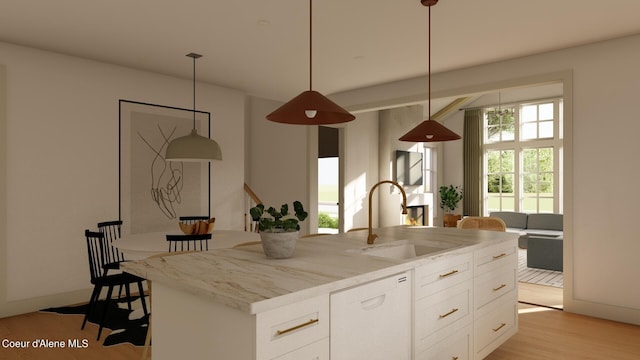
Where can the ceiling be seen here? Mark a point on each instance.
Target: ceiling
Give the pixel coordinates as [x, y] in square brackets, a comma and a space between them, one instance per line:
[261, 47]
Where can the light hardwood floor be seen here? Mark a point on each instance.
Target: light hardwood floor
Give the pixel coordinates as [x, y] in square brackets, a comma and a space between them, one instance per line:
[543, 334]
[540, 295]
[557, 335]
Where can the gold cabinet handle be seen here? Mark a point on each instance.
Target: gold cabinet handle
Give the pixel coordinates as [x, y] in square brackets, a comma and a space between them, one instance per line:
[310, 322]
[499, 287]
[449, 313]
[449, 273]
[499, 327]
[499, 256]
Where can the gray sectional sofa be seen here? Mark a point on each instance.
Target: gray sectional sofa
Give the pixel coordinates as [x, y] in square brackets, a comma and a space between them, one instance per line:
[540, 234]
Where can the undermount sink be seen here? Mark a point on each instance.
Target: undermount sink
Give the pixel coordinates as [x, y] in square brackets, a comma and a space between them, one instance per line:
[400, 249]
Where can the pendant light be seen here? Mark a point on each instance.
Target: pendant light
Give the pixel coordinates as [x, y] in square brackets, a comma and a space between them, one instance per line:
[310, 107]
[501, 112]
[429, 130]
[193, 147]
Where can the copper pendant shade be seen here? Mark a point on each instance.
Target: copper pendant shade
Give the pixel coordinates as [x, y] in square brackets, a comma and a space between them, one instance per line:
[310, 107]
[429, 130]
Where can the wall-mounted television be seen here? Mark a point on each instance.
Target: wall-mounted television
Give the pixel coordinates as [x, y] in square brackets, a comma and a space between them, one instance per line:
[408, 168]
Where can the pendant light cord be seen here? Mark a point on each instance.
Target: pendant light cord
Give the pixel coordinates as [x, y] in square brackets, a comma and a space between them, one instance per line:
[194, 92]
[310, 45]
[429, 60]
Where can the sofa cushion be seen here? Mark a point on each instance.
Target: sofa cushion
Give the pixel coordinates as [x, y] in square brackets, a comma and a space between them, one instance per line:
[545, 253]
[544, 221]
[543, 232]
[513, 220]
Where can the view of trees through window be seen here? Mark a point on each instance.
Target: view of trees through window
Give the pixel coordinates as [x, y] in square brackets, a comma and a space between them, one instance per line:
[521, 147]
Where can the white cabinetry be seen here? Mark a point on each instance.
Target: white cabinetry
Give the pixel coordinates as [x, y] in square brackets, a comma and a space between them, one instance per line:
[444, 308]
[496, 305]
[208, 330]
[372, 321]
[459, 305]
[294, 331]
[466, 305]
[318, 350]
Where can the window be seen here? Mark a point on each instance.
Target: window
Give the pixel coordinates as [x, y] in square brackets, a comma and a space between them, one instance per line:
[429, 169]
[500, 179]
[522, 147]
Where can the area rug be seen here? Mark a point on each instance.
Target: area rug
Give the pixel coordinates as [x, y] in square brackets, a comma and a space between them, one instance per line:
[127, 326]
[537, 276]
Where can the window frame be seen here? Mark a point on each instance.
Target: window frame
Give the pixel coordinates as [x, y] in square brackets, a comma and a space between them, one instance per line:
[519, 145]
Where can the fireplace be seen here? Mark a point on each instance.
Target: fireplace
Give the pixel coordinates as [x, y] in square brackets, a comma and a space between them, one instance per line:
[416, 215]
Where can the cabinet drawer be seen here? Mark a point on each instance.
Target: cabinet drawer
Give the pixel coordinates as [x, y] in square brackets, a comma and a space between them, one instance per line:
[318, 350]
[289, 327]
[491, 285]
[496, 325]
[496, 256]
[436, 312]
[442, 274]
[457, 346]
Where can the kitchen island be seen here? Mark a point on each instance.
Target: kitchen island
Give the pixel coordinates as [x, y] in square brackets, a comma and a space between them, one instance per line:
[339, 298]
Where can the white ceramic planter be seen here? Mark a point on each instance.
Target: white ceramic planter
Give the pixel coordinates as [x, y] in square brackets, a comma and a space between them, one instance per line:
[279, 245]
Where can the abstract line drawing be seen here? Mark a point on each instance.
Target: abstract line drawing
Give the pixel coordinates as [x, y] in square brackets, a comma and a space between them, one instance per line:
[166, 176]
[154, 192]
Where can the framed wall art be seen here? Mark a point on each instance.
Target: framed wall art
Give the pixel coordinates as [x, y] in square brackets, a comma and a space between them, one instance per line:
[153, 192]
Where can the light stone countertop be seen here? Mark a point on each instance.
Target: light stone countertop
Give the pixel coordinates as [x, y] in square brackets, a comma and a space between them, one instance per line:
[245, 279]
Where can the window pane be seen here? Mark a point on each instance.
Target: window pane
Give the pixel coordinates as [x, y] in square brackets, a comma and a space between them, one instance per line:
[529, 113]
[493, 133]
[508, 204]
[507, 183]
[493, 184]
[546, 159]
[530, 161]
[530, 183]
[546, 184]
[530, 204]
[508, 127]
[529, 131]
[427, 158]
[493, 161]
[546, 205]
[507, 161]
[546, 111]
[546, 129]
[493, 118]
[493, 203]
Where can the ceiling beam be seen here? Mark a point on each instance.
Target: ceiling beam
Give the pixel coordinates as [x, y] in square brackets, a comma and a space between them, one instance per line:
[452, 106]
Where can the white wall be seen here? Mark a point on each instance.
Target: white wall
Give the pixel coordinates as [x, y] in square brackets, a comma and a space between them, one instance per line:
[278, 170]
[394, 123]
[62, 165]
[360, 167]
[601, 82]
[282, 162]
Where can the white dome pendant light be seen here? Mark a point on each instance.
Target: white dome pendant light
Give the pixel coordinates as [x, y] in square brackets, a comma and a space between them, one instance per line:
[193, 147]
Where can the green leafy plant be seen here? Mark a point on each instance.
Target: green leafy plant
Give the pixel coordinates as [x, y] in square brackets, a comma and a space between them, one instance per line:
[327, 221]
[272, 220]
[450, 196]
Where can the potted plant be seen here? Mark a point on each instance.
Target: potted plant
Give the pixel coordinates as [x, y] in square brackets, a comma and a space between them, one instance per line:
[279, 230]
[450, 196]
